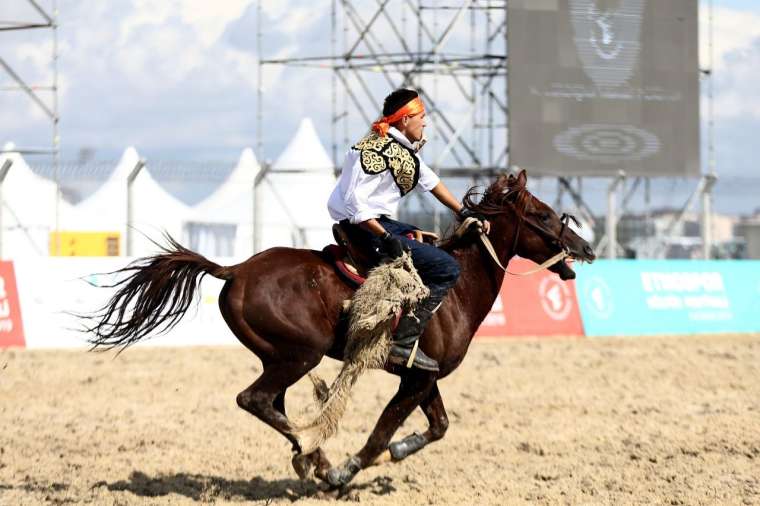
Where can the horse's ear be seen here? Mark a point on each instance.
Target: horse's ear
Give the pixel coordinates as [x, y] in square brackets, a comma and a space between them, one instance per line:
[522, 178]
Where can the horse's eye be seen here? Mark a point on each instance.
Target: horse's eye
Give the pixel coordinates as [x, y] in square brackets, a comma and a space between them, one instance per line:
[544, 217]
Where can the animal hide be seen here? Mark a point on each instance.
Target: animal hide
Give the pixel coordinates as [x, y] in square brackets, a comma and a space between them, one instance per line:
[390, 288]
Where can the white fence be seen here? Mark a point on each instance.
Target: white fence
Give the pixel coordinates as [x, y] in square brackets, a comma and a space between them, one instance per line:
[51, 289]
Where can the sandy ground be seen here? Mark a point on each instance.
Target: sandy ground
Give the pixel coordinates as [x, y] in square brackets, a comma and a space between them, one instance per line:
[637, 421]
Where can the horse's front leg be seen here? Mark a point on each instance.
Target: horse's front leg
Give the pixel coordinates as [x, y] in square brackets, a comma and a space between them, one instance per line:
[438, 423]
[414, 388]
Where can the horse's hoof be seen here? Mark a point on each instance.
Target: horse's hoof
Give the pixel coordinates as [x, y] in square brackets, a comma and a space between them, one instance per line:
[342, 475]
[303, 464]
[321, 473]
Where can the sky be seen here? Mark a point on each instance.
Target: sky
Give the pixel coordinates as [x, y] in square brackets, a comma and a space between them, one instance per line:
[177, 78]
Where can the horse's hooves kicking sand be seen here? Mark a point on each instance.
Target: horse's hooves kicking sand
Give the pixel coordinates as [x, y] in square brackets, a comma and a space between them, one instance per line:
[315, 462]
[341, 475]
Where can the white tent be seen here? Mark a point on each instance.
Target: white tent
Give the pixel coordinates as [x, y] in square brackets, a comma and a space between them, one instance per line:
[222, 224]
[29, 209]
[106, 209]
[155, 210]
[293, 196]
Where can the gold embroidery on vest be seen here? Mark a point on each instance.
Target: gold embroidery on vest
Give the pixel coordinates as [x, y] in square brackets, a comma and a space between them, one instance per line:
[403, 167]
[378, 154]
[373, 142]
[373, 162]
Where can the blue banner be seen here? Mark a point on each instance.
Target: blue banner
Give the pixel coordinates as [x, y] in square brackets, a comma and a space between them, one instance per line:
[647, 297]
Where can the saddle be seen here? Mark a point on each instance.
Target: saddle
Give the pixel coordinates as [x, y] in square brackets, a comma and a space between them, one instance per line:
[353, 260]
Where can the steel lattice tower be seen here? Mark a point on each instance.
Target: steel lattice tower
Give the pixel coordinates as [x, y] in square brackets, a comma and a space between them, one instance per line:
[453, 53]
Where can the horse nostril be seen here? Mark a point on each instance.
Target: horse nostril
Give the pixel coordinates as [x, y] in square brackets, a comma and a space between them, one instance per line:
[588, 251]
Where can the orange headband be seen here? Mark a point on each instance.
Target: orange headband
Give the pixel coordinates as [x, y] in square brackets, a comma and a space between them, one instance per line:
[414, 106]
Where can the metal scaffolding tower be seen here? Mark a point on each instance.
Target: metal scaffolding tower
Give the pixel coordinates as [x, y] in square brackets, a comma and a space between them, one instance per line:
[452, 52]
[45, 96]
[48, 103]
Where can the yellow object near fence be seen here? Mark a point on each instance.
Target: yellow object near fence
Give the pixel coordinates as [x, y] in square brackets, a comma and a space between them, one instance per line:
[84, 244]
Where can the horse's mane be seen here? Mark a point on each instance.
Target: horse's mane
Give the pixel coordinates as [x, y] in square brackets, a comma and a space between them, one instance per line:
[495, 199]
[507, 191]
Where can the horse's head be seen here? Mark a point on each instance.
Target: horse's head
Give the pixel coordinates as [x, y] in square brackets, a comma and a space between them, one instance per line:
[538, 232]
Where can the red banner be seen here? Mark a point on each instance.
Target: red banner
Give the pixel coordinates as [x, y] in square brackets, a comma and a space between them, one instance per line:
[540, 304]
[11, 328]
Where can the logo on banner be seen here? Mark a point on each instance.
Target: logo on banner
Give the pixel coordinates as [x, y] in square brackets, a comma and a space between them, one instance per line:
[608, 41]
[496, 317]
[6, 323]
[556, 298]
[599, 295]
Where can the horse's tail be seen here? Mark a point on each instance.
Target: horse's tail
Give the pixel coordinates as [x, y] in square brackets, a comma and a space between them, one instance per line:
[153, 297]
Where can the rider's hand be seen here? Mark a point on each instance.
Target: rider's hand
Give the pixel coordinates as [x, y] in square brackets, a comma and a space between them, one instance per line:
[465, 213]
[391, 245]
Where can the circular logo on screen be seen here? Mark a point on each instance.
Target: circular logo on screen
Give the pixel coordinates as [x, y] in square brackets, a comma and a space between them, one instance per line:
[607, 143]
[555, 297]
[598, 296]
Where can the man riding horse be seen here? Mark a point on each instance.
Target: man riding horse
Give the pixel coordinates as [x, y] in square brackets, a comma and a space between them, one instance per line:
[378, 171]
[286, 305]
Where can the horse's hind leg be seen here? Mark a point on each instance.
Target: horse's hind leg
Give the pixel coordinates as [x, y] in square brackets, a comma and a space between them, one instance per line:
[265, 398]
[414, 388]
[438, 423]
[303, 464]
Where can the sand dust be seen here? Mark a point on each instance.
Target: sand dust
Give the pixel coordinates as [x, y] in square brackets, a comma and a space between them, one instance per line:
[649, 420]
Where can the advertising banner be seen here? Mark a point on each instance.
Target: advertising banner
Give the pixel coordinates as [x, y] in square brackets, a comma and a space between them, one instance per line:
[647, 297]
[84, 244]
[11, 327]
[54, 288]
[537, 305]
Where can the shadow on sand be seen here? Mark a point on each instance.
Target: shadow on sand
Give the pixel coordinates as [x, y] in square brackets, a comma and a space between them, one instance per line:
[208, 488]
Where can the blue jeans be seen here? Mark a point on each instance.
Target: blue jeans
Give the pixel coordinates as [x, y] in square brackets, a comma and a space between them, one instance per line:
[438, 269]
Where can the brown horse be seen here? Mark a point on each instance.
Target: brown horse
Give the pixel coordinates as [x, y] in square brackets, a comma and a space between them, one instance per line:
[285, 306]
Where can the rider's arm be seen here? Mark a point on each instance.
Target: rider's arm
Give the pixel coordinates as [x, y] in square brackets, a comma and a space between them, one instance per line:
[373, 226]
[390, 245]
[445, 197]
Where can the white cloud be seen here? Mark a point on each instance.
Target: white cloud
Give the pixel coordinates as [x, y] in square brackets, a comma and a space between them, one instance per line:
[210, 18]
[162, 74]
[170, 74]
[733, 31]
[144, 13]
[736, 66]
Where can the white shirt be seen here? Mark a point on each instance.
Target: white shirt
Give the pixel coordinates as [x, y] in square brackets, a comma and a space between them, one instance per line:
[359, 196]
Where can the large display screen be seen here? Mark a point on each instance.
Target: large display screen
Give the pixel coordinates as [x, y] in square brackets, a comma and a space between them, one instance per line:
[599, 86]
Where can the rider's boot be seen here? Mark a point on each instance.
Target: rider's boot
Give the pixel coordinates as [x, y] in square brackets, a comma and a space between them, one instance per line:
[405, 350]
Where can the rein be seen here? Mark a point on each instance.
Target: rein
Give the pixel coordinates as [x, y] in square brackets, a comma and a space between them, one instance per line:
[466, 224]
[553, 260]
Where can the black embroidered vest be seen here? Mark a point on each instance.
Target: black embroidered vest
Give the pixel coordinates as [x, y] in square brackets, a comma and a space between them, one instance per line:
[378, 154]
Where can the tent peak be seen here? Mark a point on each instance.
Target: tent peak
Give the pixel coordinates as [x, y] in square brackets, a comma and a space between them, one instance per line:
[305, 151]
[247, 157]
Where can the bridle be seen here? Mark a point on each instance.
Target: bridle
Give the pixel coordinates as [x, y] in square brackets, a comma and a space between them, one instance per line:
[548, 235]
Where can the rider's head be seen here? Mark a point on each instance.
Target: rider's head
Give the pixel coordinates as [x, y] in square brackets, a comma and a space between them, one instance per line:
[411, 125]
